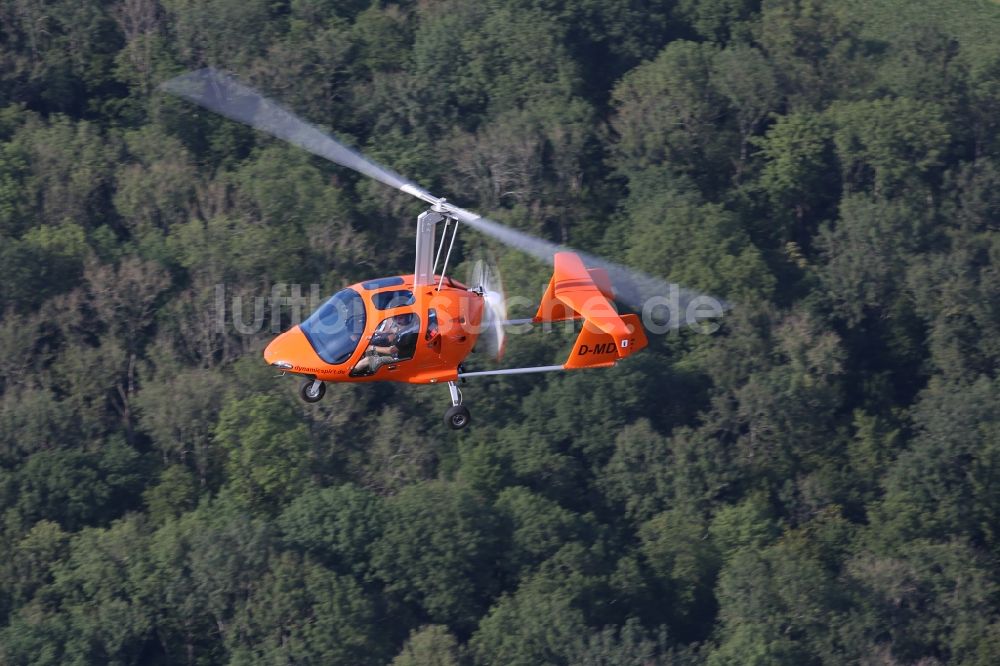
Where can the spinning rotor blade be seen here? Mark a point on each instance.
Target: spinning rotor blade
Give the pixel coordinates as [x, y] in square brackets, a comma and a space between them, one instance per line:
[633, 288]
[224, 95]
[219, 92]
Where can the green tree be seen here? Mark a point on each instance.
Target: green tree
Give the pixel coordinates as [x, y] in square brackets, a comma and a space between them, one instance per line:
[44, 262]
[667, 112]
[31, 567]
[57, 55]
[179, 413]
[638, 475]
[721, 21]
[930, 601]
[744, 76]
[631, 643]
[778, 605]
[538, 624]
[267, 449]
[438, 551]
[31, 420]
[217, 555]
[72, 166]
[431, 645]
[683, 563]
[699, 245]
[155, 189]
[15, 209]
[96, 588]
[222, 32]
[175, 493]
[946, 484]
[76, 488]
[538, 528]
[748, 525]
[302, 612]
[796, 172]
[337, 526]
[953, 286]
[816, 49]
[866, 254]
[888, 144]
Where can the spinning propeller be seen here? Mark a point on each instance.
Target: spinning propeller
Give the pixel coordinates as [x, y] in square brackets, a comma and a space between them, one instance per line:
[222, 94]
[485, 279]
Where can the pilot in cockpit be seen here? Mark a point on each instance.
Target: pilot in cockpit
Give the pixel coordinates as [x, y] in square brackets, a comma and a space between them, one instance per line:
[394, 340]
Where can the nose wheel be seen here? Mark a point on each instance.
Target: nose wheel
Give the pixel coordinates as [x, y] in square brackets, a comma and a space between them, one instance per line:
[457, 416]
[312, 390]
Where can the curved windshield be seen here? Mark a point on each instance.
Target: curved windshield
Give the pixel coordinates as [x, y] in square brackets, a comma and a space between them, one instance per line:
[335, 329]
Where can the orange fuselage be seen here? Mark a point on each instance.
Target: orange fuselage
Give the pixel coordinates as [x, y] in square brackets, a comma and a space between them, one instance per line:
[339, 342]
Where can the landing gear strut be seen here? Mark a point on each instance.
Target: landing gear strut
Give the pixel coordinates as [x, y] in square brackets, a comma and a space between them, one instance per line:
[457, 416]
[312, 390]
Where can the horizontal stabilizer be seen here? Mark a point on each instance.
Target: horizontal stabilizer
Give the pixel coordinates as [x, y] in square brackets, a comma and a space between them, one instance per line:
[596, 349]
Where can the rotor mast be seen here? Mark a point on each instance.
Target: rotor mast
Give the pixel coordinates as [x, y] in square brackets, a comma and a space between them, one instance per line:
[423, 271]
[426, 264]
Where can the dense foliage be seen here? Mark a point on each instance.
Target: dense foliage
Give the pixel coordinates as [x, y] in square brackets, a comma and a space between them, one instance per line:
[816, 483]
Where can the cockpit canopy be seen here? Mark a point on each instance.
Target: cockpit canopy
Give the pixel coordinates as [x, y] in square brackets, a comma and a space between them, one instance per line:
[336, 328]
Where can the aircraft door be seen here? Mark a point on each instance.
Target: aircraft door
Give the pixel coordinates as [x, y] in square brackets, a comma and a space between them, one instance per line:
[394, 341]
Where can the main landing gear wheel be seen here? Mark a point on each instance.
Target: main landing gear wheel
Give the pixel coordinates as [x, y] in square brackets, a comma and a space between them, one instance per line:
[457, 417]
[312, 390]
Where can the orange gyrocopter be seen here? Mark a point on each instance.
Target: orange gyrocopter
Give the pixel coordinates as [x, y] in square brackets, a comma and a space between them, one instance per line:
[420, 327]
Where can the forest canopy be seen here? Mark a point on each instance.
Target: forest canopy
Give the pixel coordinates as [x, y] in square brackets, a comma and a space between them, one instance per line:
[817, 482]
